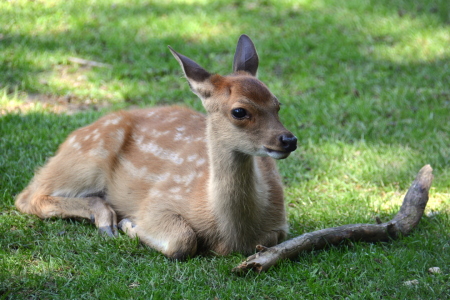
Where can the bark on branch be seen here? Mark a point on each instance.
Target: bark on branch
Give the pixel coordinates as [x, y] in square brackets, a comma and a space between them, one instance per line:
[402, 224]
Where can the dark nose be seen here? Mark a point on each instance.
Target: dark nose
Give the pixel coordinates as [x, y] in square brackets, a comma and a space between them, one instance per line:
[289, 142]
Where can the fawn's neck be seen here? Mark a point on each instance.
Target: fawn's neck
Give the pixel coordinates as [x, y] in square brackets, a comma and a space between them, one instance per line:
[237, 193]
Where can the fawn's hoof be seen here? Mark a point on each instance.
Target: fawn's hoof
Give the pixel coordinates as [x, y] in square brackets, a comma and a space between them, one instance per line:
[127, 226]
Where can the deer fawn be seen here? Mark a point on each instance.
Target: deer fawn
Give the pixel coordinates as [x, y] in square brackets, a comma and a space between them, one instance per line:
[181, 182]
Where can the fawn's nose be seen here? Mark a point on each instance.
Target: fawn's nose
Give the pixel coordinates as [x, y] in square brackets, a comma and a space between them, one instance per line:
[289, 142]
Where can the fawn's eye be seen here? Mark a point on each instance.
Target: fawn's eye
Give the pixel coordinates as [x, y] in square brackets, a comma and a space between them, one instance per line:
[239, 113]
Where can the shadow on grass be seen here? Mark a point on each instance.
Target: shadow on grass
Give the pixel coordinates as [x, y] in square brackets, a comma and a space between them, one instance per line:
[134, 39]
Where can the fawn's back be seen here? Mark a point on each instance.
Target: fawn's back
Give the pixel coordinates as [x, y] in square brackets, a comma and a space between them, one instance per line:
[129, 156]
[180, 181]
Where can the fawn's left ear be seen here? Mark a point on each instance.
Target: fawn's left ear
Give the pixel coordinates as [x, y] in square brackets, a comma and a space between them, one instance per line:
[245, 58]
[198, 78]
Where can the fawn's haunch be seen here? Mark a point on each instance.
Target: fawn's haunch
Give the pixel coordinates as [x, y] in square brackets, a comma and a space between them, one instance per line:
[182, 182]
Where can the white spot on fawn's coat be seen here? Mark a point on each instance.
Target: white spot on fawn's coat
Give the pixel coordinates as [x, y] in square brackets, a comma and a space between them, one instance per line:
[158, 151]
[99, 151]
[186, 179]
[114, 121]
[143, 172]
[74, 143]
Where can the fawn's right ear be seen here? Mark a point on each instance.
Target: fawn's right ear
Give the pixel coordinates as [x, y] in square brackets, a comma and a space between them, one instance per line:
[245, 58]
[197, 77]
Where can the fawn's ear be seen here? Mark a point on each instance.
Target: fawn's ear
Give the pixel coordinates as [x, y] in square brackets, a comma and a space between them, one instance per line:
[197, 77]
[245, 58]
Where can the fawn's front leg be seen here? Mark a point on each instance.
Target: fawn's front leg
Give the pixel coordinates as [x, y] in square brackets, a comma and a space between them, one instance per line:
[168, 233]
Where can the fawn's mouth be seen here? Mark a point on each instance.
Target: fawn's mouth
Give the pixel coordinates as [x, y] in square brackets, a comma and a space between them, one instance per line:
[277, 154]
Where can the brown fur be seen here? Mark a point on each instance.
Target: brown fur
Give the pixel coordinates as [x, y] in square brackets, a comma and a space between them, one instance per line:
[182, 182]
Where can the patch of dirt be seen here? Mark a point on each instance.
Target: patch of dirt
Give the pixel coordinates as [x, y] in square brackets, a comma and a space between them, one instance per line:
[73, 74]
[52, 103]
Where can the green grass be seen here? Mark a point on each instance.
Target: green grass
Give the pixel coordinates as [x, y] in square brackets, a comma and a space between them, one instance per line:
[365, 86]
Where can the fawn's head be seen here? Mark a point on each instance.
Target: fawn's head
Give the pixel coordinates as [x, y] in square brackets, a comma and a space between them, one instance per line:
[242, 112]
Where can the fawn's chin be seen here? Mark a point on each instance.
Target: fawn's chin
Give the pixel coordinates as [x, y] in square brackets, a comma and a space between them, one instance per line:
[277, 154]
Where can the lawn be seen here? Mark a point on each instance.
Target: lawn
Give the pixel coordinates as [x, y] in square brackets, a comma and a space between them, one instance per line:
[365, 86]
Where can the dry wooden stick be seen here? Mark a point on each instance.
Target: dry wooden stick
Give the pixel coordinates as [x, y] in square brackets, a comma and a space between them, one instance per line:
[406, 219]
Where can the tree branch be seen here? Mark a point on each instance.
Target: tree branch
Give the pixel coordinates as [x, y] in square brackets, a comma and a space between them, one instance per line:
[402, 224]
